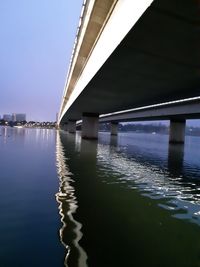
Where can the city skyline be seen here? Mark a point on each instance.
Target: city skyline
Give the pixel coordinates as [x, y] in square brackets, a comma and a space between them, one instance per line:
[14, 117]
[36, 43]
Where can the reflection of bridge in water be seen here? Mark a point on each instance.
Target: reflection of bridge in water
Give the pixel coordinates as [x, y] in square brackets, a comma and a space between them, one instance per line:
[70, 233]
[128, 198]
[158, 175]
[147, 174]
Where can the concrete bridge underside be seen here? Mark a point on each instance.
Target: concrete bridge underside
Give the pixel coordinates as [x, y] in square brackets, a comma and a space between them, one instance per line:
[157, 61]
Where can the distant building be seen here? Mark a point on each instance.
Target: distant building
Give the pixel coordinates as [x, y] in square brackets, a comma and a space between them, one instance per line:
[18, 117]
[14, 117]
[7, 117]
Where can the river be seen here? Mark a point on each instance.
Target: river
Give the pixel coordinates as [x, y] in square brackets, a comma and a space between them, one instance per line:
[123, 201]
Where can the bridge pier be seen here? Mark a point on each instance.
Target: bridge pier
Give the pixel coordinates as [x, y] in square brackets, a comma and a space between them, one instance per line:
[90, 125]
[72, 126]
[64, 127]
[113, 128]
[177, 131]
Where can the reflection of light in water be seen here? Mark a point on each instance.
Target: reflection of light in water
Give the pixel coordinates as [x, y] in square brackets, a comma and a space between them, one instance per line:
[181, 197]
[5, 134]
[67, 207]
[37, 134]
[42, 134]
[78, 142]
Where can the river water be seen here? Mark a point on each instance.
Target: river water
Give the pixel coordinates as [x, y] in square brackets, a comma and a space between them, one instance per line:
[123, 201]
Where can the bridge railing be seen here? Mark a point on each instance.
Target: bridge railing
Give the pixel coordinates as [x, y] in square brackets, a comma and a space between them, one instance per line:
[75, 48]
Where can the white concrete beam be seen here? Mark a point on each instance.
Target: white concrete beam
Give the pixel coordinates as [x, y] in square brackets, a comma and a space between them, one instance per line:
[124, 16]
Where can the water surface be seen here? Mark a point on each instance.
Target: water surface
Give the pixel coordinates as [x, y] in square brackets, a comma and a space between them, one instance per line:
[29, 219]
[130, 200]
[137, 199]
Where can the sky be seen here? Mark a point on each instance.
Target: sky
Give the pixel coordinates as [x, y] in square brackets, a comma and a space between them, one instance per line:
[37, 38]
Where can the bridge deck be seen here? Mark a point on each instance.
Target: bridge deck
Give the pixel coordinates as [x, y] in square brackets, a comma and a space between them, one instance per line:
[157, 61]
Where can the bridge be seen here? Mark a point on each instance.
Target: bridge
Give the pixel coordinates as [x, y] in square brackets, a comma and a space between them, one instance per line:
[133, 55]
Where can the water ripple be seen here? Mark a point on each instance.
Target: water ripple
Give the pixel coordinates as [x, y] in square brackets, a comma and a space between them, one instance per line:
[181, 197]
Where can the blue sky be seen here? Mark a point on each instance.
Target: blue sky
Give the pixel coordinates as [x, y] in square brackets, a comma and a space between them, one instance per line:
[37, 37]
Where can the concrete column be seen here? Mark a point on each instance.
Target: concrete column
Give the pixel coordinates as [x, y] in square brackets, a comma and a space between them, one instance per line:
[177, 131]
[90, 125]
[64, 127]
[113, 128]
[72, 126]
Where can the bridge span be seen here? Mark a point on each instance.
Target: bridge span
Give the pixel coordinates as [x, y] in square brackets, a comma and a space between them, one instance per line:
[130, 54]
